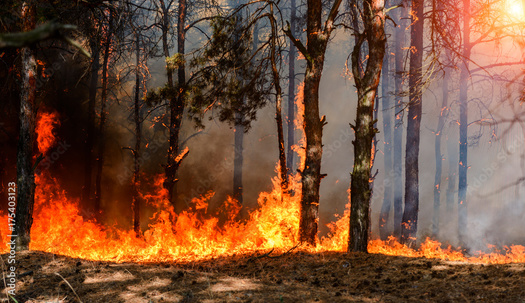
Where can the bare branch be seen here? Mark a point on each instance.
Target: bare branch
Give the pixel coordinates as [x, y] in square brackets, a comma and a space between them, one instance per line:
[298, 44]
[50, 30]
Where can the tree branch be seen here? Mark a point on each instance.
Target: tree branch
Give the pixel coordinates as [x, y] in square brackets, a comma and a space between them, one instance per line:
[50, 30]
[484, 68]
[298, 44]
[329, 24]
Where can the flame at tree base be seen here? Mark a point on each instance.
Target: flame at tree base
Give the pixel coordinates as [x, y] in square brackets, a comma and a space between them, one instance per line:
[59, 228]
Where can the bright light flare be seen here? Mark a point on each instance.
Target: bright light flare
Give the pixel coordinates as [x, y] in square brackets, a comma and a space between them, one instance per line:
[515, 9]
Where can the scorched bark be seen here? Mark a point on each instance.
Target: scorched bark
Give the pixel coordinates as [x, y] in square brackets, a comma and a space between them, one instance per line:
[24, 163]
[366, 82]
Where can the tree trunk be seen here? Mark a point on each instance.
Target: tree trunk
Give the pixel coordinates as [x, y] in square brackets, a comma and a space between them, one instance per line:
[452, 153]
[239, 130]
[291, 97]
[387, 110]
[238, 161]
[24, 161]
[278, 107]
[415, 82]
[375, 149]
[311, 175]
[181, 75]
[103, 114]
[366, 84]
[165, 25]
[317, 40]
[138, 135]
[176, 104]
[90, 132]
[439, 157]
[398, 121]
[463, 126]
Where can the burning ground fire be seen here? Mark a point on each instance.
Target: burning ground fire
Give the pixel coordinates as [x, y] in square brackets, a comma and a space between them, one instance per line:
[59, 228]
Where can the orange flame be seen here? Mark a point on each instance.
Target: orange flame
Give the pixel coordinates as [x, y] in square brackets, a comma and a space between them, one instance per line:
[44, 129]
[299, 148]
[190, 235]
[59, 228]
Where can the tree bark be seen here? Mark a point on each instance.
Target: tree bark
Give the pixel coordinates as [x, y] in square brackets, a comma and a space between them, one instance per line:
[238, 160]
[176, 103]
[181, 76]
[415, 82]
[439, 157]
[278, 106]
[138, 136]
[398, 121]
[169, 169]
[311, 175]
[314, 52]
[387, 112]
[103, 117]
[239, 130]
[90, 131]
[291, 96]
[24, 161]
[463, 126]
[453, 160]
[367, 83]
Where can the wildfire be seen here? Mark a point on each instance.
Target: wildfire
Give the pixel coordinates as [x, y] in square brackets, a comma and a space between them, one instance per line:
[190, 235]
[44, 129]
[432, 249]
[59, 228]
[299, 148]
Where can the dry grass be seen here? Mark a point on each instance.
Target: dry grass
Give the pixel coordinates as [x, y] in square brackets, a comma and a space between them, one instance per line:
[296, 277]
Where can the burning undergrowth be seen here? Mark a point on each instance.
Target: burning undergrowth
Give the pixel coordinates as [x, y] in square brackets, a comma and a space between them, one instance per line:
[59, 228]
[198, 233]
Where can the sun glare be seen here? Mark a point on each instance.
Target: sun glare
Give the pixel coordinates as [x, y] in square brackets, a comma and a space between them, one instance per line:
[515, 9]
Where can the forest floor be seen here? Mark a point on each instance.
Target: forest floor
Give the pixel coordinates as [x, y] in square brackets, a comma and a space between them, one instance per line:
[293, 277]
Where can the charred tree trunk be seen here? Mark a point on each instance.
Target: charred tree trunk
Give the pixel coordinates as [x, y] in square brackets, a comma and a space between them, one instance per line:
[24, 161]
[398, 121]
[169, 169]
[375, 149]
[366, 84]
[238, 157]
[181, 94]
[138, 136]
[278, 106]
[291, 96]
[103, 114]
[375, 141]
[439, 157]
[410, 214]
[90, 131]
[314, 52]
[311, 175]
[452, 153]
[387, 110]
[463, 126]
[165, 25]
[176, 102]
[238, 160]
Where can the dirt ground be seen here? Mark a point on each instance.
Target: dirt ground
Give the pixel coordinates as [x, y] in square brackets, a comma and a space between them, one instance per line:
[294, 277]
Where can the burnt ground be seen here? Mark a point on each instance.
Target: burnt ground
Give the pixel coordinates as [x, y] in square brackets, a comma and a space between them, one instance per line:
[294, 277]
